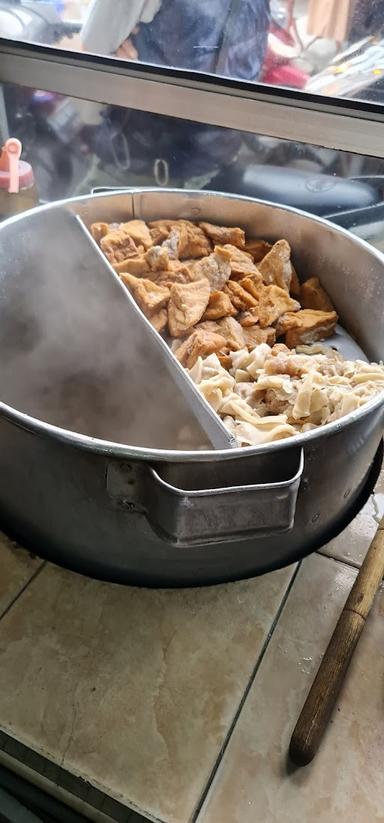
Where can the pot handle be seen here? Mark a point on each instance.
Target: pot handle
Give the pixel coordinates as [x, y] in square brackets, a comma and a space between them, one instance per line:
[195, 517]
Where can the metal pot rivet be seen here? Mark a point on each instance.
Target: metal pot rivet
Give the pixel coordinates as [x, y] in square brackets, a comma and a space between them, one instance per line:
[315, 517]
[347, 493]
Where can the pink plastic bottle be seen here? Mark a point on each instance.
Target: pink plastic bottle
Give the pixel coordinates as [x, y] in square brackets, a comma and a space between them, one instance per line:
[17, 183]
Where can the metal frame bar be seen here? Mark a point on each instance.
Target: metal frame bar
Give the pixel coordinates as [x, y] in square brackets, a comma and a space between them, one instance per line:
[347, 125]
[4, 130]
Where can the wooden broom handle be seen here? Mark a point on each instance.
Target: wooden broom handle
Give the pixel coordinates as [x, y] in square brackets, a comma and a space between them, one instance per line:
[326, 686]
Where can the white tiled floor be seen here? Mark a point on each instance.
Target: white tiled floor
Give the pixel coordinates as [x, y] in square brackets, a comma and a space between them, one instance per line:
[255, 781]
[133, 690]
[159, 697]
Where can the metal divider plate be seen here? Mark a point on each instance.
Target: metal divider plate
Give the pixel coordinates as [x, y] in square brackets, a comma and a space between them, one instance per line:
[78, 353]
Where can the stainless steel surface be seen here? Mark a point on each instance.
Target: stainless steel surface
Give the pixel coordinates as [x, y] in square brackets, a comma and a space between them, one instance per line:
[53, 498]
[99, 506]
[351, 271]
[342, 342]
[190, 517]
[259, 502]
[282, 113]
[162, 385]
[77, 351]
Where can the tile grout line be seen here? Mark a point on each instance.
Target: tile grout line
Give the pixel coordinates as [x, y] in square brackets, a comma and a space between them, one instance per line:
[248, 687]
[22, 590]
[253, 675]
[343, 562]
[347, 561]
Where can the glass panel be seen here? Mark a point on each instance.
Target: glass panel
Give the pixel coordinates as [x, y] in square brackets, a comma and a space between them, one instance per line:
[75, 146]
[329, 47]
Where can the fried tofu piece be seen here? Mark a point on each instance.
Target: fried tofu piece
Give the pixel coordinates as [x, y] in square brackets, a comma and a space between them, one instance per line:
[215, 268]
[313, 296]
[133, 265]
[199, 344]
[258, 249]
[164, 224]
[255, 335]
[99, 230]
[188, 261]
[295, 286]
[183, 238]
[241, 262]
[219, 306]
[273, 303]
[175, 241]
[276, 267]
[253, 283]
[187, 305]
[240, 298]
[225, 359]
[118, 245]
[233, 333]
[176, 272]
[157, 258]
[195, 244]
[159, 230]
[306, 326]
[186, 241]
[224, 234]
[139, 231]
[149, 296]
[193, 268]
[249, 318]
[159, 320]
[208, 325]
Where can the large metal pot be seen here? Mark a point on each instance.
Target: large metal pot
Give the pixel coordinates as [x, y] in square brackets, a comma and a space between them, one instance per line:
[156, 517]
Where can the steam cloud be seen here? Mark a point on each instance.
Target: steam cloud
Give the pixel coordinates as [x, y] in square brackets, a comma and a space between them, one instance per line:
[74, 353]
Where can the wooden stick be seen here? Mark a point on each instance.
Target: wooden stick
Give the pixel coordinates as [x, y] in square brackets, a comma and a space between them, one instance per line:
[326, 686]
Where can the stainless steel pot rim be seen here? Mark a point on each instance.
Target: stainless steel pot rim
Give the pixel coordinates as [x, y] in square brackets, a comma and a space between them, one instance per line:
[121, 450]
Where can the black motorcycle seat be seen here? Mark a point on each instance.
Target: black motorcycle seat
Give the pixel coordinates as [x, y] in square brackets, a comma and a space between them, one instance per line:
[316, 193]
